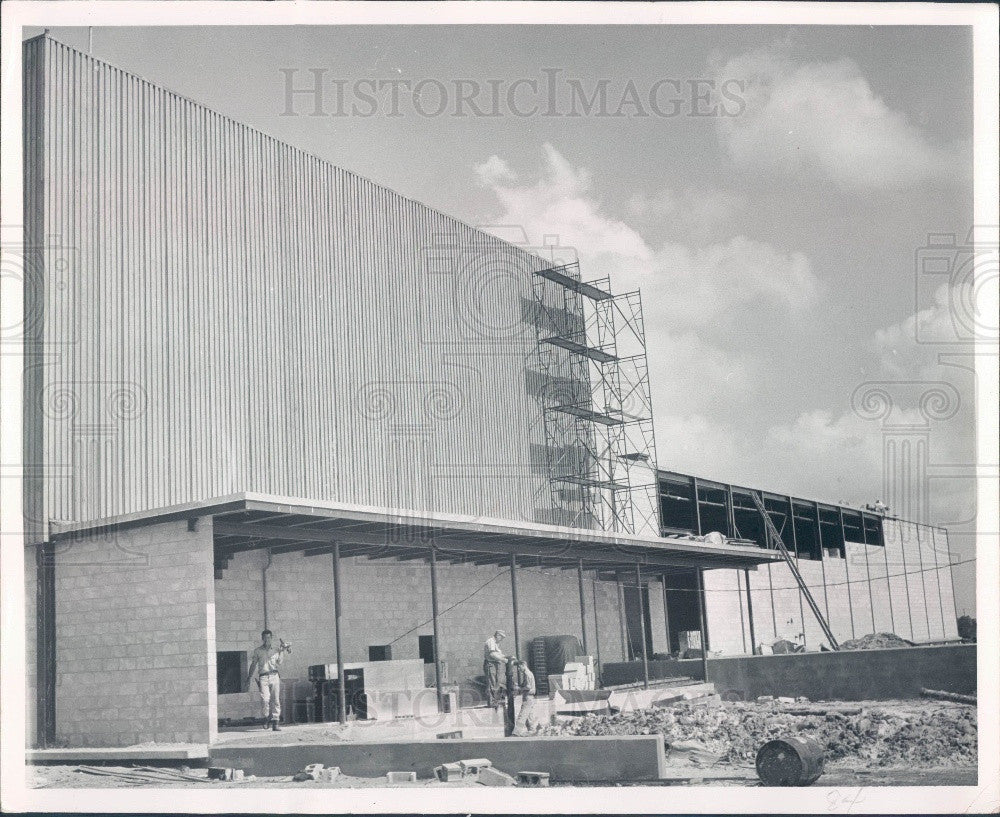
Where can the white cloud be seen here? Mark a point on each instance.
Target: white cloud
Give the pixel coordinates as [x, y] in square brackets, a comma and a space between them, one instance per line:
[686, 215]
[715, 411]
[825, 119]
[684, 287]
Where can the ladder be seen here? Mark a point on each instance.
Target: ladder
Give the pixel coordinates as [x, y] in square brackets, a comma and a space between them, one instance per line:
[779, 544]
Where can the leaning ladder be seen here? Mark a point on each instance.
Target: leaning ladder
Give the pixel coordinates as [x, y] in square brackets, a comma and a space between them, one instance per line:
[775, 537]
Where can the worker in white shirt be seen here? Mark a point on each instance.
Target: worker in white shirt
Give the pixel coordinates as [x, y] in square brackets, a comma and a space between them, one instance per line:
[265, 661]
[494, 665]
[526, 722]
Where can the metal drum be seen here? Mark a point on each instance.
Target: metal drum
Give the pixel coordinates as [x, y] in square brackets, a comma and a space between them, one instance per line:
[791, 761]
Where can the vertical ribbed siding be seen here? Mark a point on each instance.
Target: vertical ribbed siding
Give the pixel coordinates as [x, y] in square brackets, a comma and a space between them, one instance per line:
[239, 315]
[34, 292]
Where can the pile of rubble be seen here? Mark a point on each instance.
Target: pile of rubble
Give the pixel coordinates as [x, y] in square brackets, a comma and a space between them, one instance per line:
[876, 735]
[875, 641]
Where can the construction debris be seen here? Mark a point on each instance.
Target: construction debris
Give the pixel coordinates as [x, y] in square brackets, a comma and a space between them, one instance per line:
[401, 777]
[448, 772]
[876, 641]
[533, 779]
[489, 776]
[219, 773]
[940, 695]
[878, 735]
[143, 774]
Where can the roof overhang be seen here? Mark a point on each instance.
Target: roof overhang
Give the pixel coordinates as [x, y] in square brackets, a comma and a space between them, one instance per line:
[250, 521]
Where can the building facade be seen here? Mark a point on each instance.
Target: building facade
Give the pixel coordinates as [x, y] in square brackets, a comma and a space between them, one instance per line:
[868, 572]
[241, 359]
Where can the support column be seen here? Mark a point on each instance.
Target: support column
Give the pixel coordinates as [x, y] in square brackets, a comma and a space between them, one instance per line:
[583, 607]
[621, 618]
[697, 508]
[753, 633]
[847, 570]
[822, 561]
[437, 639]
[888, 581]
[666, 614]
[730, 512]
[341, 691]
[597, 636]
[701, 624]
[642, 628]
[923, 581]
[795, 545]
[951, 573]
[868, 571]
[513, 595]
[906, 578]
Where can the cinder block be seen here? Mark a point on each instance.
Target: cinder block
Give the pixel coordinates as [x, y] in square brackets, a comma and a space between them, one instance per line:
[401, 777]
[533, 779]
[489, 776]
[448, 772]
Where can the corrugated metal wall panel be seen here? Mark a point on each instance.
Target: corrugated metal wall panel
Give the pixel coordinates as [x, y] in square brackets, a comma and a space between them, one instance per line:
[244, 316]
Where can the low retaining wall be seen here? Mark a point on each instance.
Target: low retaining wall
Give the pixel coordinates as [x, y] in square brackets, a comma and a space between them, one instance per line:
[630, 672]
[621, 758]
[849, 675]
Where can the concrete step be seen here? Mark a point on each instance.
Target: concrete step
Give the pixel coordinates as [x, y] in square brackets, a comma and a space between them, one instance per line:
[133, 754]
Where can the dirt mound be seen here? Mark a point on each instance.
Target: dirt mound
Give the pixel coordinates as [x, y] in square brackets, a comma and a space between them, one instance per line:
[875, 641]
[878, 736]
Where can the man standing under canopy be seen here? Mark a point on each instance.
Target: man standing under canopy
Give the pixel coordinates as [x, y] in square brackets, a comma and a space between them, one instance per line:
[494, 665]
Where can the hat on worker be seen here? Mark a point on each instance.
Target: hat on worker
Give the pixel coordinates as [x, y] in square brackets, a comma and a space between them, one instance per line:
[500, 633]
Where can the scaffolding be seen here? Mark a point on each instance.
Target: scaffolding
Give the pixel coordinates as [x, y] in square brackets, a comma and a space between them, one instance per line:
[598, 414]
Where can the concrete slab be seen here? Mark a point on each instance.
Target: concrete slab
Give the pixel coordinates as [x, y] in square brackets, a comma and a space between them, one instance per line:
[564, 758]
[191, 751]
[626, 700]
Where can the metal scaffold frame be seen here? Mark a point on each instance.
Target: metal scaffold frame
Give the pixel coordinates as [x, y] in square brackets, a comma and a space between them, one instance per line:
[597, 407]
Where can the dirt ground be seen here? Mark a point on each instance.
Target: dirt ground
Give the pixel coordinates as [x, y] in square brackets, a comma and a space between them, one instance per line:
[835, 775]
[873, 743]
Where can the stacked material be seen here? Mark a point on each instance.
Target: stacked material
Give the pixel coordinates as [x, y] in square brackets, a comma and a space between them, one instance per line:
[576, 675]
[875, 641]
[878, 735]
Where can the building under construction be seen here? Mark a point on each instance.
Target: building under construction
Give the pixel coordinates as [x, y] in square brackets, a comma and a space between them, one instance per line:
[260, 390]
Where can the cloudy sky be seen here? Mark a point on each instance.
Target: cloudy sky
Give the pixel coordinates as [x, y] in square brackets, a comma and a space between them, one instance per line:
[768, 188]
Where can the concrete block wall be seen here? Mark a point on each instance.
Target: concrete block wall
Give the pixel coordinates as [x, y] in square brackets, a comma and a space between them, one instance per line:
[385, 600]
[659, 631]
[900, 580]
[857, 589]
[764, 619]
[841, 616]
[30, 643]
[135, 654]
[725, 605]
[884, 608]
[904, 587]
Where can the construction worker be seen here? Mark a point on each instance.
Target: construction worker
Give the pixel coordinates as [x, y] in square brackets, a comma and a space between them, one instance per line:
[526, 722]
[494, 664]
[265, 661]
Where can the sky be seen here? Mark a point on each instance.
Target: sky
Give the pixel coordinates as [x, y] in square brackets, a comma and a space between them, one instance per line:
[769, 189]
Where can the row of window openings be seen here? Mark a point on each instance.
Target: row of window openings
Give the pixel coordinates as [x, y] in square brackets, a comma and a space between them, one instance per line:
[677, 514]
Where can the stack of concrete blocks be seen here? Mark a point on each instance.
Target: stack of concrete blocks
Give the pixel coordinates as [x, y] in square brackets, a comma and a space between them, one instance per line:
[689, 640]
[579, 674]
